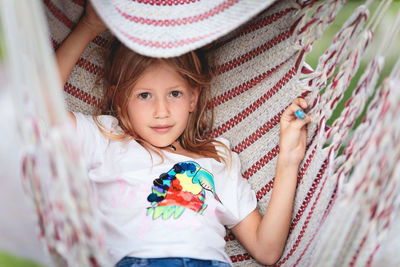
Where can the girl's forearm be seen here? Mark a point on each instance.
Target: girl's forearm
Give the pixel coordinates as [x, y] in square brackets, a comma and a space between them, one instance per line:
[72, 48]
[274, 227]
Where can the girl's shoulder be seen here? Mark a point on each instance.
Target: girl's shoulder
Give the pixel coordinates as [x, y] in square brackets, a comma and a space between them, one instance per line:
[223, 148]
[104, 123]
[223, 145]
[106, 120]
[224, 141]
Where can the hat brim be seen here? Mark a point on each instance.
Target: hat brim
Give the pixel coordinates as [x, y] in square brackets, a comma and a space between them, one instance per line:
[171, 28]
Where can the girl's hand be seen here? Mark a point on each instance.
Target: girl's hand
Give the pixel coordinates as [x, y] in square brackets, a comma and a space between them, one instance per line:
[293, 133]
[91, 20]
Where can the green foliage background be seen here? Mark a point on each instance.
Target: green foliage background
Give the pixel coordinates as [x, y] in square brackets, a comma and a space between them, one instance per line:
[321, 45]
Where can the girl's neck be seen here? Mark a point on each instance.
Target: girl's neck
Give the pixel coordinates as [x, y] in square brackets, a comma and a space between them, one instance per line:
[173, 147]
[176, 148]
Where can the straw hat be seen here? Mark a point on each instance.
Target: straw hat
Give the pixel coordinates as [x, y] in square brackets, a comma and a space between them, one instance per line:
[173, 27]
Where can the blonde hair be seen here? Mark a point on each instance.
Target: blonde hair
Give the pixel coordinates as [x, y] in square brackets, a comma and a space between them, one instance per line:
[123, 67]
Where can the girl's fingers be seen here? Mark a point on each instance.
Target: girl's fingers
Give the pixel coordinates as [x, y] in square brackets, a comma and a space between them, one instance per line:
[301, 102]
[298, 123]
[296, 108]
[294, 115]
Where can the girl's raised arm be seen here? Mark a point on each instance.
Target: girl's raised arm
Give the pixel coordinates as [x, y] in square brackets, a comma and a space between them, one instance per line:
[69, 52]
[265, 237]
[89, 26]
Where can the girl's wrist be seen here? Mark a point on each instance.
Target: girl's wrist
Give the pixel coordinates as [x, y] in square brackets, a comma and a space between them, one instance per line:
[89, 29]
[287, 160]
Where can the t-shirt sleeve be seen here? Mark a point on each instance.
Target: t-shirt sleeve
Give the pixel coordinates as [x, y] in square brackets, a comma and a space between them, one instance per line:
[91, 141]
[239, 198]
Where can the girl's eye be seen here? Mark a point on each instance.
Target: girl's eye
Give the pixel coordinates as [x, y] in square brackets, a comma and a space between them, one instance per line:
[175, 93]
[144, 95]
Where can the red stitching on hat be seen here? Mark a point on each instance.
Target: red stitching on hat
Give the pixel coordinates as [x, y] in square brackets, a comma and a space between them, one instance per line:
[165, 2]
[58, 14]
[163, 44]
[81, 95]
[255, 105]
[173, 22]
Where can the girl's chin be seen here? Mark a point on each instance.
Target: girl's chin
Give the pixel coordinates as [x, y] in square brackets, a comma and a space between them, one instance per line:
[162, 144]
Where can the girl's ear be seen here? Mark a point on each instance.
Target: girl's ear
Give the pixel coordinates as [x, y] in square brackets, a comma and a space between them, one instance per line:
[194, 98]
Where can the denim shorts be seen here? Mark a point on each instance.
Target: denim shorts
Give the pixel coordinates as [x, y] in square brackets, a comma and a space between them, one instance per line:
[169, 262]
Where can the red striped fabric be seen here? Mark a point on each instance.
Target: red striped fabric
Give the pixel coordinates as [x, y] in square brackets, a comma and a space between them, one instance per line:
[310, 213]
[258, 133]
[309, 194]
[90, 67]
[240, 257]
[82, 95]
[357, 253]
[250, 109]
[234, 92]
[266, 188]
[258, 24]
[261, 162]
[59, 14]
[255, 52]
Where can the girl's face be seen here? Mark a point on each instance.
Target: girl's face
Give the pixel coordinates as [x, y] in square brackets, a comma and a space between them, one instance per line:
[160, 103]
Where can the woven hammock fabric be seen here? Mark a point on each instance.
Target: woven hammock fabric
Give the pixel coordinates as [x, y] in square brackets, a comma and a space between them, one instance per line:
[367, 199]
[53, 172]
[261, 69]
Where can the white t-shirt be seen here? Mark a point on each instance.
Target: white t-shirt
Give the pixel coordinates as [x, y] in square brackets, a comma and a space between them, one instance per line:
[177, 208]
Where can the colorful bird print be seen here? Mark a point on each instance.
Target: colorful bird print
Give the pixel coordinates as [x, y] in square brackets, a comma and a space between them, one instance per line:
[181, 187]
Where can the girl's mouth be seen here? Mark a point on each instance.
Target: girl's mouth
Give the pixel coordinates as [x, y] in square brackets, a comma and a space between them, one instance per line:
[161, 129]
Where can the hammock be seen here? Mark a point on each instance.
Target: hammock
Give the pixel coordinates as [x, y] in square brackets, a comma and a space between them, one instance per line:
[345, 202]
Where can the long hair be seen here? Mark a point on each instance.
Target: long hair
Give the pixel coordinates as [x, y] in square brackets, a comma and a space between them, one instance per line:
[123, 68]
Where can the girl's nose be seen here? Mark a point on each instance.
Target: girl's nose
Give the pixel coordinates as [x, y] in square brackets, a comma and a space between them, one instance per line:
[161, 109]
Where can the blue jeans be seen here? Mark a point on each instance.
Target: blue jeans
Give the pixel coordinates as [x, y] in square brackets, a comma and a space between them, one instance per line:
[169, 262]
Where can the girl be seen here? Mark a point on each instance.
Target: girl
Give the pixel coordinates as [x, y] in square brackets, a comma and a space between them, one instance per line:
[165, 192]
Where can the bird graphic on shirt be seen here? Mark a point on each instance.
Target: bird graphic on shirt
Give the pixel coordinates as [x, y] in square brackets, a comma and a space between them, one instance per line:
[183, 186]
